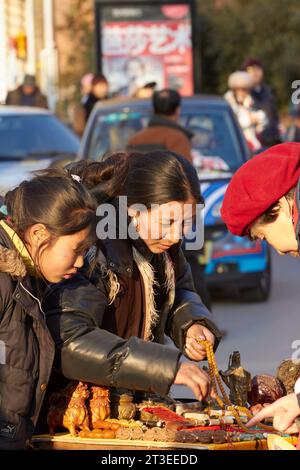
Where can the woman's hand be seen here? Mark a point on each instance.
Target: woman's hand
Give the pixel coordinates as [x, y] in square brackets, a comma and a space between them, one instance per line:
[192, 349]
[284, 411]
[195, 378]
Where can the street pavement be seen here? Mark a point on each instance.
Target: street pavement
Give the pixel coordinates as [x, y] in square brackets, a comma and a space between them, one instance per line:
[264, 333]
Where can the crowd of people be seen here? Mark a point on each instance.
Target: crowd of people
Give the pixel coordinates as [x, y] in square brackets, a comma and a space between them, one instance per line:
[248, 94]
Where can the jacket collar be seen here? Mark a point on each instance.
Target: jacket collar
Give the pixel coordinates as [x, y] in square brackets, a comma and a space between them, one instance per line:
[119, 255]
[14, 257]
[158, 120]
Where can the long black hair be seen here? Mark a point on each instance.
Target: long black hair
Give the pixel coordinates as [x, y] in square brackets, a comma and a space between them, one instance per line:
[156, 177]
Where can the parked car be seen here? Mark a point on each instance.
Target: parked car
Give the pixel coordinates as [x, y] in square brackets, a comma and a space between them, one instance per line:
[219, 149]
[32, 139]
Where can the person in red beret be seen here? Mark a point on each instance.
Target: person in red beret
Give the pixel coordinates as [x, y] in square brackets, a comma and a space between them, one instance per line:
[263, 197]
[262, 202]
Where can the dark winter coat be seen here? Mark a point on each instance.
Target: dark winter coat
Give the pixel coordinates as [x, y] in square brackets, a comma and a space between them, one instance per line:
[264, 99]
[26, 350]
[18, 98]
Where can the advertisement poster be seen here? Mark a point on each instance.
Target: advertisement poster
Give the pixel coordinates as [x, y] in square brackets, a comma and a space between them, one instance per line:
[144, 44]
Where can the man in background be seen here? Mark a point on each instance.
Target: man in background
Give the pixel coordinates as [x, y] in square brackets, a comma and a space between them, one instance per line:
[263, 99]
[164, 131]
[146, 91]
[27, 94]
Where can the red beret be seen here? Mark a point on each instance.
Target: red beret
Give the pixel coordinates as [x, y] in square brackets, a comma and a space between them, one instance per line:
[258, 184]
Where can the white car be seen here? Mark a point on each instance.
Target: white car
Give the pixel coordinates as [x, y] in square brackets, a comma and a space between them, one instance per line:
[31, 139]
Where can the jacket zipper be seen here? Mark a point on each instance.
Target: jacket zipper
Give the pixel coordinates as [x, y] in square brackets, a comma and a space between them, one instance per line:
[38, 300]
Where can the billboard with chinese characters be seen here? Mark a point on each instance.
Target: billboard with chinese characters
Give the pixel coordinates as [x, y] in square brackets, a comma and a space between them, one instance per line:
[144, 43]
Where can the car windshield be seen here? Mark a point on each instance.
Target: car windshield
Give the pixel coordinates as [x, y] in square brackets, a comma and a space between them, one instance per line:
[34, 135]
[215, 144]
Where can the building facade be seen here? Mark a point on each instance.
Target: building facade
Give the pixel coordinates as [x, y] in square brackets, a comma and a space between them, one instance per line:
[27, 45]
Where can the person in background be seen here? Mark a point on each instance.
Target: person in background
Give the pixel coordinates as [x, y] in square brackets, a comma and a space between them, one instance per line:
[27, 94]
[164, 131]
[252, 120]
[292, 133]
[146, 91]
[86, 86]
[135, 73]
[263, 99]
[99, 92]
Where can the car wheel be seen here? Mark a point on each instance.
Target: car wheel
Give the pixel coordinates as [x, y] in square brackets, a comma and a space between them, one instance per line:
[260, 292]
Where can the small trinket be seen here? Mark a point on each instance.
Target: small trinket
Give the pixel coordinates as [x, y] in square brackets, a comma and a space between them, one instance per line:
[121, 404]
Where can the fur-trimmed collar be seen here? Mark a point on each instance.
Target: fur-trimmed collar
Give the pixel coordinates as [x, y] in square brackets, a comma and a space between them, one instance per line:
[13, 261]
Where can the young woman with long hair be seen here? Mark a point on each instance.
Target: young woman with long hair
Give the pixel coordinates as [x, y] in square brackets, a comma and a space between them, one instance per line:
[109, 329]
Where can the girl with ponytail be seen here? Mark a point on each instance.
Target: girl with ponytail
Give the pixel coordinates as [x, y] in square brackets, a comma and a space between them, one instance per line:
[50, 226]
[110, 327]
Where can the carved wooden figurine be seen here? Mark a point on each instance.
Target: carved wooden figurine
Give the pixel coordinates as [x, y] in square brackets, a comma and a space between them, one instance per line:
[68, 409]
[99, 404]
[237, 379]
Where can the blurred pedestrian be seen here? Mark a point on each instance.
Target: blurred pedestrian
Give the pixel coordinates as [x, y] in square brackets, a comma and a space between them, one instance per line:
[27, 94]
[145, 91]
[99, 92]
[263, 99]
[134, 72]
[252, 120]
[86, 86]
[292, 133]
[164, 131]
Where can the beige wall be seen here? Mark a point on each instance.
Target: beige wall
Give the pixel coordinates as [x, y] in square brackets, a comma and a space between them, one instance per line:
[73, 24]
[74, 21]
[13, 22]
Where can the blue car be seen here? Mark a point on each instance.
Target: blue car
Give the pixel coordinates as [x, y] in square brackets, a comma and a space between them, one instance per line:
[218, 150]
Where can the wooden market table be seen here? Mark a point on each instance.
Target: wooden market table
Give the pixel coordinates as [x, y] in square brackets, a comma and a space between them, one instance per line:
[64, 441]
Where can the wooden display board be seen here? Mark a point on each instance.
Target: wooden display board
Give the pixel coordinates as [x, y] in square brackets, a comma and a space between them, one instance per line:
[65, 441]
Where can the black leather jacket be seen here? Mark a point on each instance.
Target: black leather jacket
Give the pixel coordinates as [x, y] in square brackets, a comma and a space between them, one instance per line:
[75, 309]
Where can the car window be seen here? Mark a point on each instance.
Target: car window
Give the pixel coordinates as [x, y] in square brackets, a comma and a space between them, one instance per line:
[215, 144]
[215, 137]
[112, 131]
[21, 135]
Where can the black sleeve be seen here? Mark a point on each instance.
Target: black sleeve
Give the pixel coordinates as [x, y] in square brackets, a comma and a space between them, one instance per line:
[86, 352]
[188, 308]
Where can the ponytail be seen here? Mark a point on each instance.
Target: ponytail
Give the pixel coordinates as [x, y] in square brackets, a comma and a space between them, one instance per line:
[156, 177]
[104, 179]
